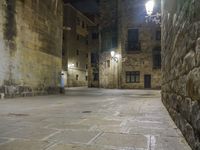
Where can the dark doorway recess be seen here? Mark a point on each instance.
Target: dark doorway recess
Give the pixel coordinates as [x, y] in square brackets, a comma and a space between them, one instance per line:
[147, 81]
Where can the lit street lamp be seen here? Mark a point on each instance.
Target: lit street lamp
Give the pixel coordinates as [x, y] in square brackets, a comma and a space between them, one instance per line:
[71, 65]
[150, 16]
[115, 56]
[112, 53]
[149, 7]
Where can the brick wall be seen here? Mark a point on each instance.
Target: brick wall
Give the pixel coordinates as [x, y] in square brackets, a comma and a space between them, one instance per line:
[181, 65]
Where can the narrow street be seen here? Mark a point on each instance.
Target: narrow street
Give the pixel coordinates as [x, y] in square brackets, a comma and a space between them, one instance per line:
[89, 119]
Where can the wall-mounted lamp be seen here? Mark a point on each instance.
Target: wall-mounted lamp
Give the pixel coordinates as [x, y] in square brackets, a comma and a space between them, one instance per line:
[67, 28]
[112, 53]
[115, 56]
[150, 16]
[71, 65]
[149, 7]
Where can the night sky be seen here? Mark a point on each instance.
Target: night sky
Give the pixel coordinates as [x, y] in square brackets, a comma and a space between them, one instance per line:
[86, 6]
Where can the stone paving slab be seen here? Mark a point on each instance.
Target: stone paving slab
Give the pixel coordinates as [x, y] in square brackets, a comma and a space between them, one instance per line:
[7, 129]
[29, 133]
[78, 136]
[89, 119]
[155, 131]
[66, 126]
[170, 143]
[3, 140]
[111, 128]
[24, 145]
[100, 121]
[80, 147]
[123, 140]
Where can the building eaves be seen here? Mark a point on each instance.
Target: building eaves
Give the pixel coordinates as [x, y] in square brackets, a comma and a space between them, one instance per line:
[80, 13]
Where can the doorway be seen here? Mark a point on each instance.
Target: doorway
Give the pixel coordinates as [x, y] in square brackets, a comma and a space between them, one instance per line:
[147, 81]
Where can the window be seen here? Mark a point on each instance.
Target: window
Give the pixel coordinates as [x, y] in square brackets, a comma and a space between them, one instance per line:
[95, 76]
[77, 52]
[86, 66]
[77, 77]
[86, 41]
[86, 55]
[157, 58]
[77, 37]
[133, 35]
[158, 35]
[86, 78]
[63, 52]
[133, 40]
[108, 63]
[114, 42]
[157, 61]
[94, 58]
[132, 77]
[63, 36]
[83, 24]
[95, 35]
[76, 64]
[78, 21]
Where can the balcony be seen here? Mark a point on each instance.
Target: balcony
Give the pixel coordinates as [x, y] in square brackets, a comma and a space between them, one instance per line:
[133, 47]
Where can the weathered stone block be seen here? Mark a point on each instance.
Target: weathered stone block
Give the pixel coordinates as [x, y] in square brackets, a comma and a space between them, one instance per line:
[193, 84]
[189, 133]
[189, 61]
[185, 108]
[198, 51]
[30, 45]
[181, 61]
[195, 115]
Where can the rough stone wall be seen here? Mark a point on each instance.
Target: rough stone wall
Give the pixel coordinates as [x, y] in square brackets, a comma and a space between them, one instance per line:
[108, 73]
[69, 41]
[132, 16]
[181, 65]
[4, 57]
[108, 76]
[108, 13]
[30, 46]
[108, 23]
[93, 67]
[71, 44]
[125, 15]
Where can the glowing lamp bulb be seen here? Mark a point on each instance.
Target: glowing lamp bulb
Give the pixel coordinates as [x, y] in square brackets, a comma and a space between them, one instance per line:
[112, 53]
[71, 65]
[149, 7]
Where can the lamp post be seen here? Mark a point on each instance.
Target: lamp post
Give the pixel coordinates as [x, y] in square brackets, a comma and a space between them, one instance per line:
[151, 16]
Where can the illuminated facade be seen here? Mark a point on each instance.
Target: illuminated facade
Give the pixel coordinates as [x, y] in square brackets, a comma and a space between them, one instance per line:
[124, 30]
[76, 49]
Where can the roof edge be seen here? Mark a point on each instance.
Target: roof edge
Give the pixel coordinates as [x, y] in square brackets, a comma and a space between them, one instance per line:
[70, 5]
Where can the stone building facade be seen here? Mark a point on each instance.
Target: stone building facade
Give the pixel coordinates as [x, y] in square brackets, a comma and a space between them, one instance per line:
[93, 66]
[75, 47]
[137, 45]
[30, 46]
[181, 65]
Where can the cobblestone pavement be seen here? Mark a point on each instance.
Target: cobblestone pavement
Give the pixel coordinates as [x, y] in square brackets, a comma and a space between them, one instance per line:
[89, 119]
